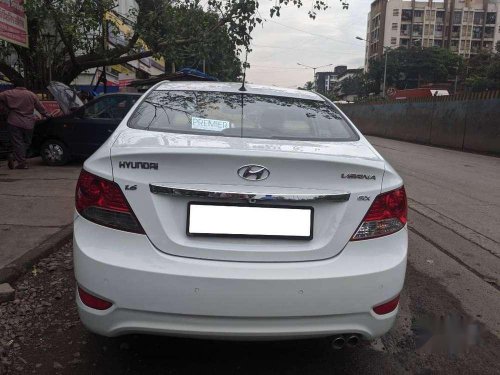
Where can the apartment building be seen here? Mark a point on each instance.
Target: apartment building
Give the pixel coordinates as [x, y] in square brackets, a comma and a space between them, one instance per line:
[464, 27]
[331, 82]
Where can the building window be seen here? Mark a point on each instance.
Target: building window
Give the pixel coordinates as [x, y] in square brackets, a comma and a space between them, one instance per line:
[394, 26]
[457, 18]
[489, 31]
[455, 32]
[439, 31]
[405, 30]
[417, 30]
[440, 16]
[478, 18]
[404, 42]
[394, 40]
[477, 32]
[491, 18]
[406, 15]
[395, 12]
[417, 15]
[438, 43]
[475, 47]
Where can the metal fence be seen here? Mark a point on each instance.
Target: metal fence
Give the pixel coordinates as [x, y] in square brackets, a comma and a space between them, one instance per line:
[466, 121]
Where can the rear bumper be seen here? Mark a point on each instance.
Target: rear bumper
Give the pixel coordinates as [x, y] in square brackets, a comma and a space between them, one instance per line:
[153, 292]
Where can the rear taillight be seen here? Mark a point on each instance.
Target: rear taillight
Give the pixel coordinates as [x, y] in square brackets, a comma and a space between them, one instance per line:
[387, 215]
[102, 202]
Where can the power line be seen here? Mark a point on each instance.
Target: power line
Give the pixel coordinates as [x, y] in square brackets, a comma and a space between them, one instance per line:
[295, 49]
[307, 32]
[274, 67]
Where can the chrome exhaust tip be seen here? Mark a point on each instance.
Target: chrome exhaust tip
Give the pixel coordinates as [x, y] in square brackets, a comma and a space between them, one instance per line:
[338, 342]
[352, 341]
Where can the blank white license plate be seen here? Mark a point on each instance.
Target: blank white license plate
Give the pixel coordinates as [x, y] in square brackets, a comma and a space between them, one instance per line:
[226, 220]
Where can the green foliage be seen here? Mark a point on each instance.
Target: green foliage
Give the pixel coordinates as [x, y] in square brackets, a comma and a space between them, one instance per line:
[67, 35]
[190, 22]
[359, 84]
[484, 72]
[309, 85]
[412, 67]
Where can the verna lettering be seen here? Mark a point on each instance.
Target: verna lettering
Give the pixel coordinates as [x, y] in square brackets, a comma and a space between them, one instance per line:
[358, 176]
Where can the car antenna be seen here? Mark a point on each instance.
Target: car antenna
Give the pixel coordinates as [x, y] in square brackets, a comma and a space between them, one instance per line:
[242, 88]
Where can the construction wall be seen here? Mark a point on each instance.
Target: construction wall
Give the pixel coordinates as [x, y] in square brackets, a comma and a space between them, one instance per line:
[465, 122]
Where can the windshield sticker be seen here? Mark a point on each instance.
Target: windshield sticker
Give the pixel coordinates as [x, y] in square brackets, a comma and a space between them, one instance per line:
[209, 124]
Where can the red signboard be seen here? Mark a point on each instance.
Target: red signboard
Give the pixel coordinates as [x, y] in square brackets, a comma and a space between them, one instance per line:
[13, 22]
[52, 107]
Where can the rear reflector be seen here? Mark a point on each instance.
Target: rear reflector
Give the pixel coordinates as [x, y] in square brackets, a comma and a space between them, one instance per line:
[387, 215]
[93, 301]
[102, 202]
[387, 307]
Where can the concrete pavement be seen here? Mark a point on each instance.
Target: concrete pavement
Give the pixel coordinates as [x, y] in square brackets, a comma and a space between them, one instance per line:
[35, 205]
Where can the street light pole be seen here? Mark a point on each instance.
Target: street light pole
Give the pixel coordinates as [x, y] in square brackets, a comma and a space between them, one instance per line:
[385, 66]
[314, 71]
[385, 75]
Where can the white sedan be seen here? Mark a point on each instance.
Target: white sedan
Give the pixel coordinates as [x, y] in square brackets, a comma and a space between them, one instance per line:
[222, 211]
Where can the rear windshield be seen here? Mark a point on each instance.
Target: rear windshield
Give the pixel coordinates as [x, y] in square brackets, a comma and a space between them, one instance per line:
[240, 115]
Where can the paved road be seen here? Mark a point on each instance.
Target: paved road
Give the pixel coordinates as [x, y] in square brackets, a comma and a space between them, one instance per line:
[454, 220]
[452, 279]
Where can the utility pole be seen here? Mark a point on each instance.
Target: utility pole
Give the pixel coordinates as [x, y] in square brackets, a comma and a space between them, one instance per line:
[314, 71]
[385, 74]
[386, 49]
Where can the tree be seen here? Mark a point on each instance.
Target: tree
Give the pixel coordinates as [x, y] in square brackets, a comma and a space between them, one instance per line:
[359, 84]
[68, 35]
[412, 67]
[309, 85]
[218, 55]
[483, 72]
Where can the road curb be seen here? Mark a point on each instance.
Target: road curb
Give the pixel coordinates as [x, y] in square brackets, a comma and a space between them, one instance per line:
[21, 265]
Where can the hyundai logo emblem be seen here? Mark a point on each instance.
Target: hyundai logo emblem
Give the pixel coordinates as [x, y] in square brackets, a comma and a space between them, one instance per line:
[253, 172]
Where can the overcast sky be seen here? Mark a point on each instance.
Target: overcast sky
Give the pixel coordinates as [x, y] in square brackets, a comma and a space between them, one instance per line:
[278, 46]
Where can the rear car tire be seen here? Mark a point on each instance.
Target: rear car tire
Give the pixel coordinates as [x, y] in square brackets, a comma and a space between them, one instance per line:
[55, 153]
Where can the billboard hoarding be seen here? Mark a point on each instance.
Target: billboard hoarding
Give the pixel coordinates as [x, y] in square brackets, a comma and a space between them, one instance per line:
[13, 23]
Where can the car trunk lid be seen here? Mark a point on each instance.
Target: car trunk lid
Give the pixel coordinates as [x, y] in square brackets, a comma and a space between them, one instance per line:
[161, 173]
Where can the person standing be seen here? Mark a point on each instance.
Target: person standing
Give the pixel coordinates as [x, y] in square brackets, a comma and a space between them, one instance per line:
[20, 104]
